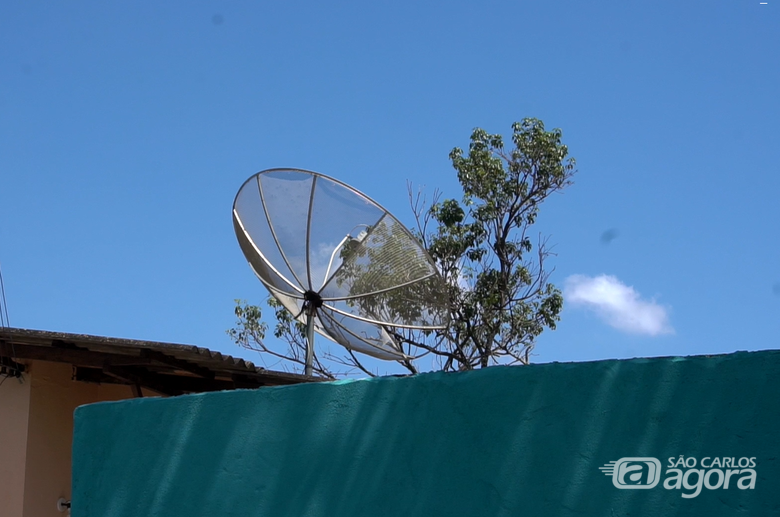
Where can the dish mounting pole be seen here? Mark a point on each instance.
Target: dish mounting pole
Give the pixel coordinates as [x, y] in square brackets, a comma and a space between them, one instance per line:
[310, 313]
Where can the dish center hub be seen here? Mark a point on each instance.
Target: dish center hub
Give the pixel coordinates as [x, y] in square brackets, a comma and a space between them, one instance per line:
[313, 298]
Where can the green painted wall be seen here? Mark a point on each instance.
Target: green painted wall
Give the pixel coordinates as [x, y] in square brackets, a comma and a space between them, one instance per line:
[501, 441]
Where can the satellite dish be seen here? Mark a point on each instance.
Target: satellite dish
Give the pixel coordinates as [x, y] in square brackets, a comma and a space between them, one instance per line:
[338, 261]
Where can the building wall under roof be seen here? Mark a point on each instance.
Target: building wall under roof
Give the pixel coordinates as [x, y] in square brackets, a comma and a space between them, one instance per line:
[36, 434]
[503, 441]
[14, 410]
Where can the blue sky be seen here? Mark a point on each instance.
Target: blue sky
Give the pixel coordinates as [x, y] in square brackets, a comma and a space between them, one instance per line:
[126, 130]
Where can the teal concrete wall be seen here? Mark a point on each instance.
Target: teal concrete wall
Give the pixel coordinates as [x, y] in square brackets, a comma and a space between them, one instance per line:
[501, 441]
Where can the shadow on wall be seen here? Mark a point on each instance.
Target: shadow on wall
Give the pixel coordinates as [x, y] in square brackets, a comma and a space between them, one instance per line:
[501, 441]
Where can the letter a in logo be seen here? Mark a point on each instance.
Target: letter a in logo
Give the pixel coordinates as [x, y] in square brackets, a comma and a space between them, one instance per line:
[633, 472]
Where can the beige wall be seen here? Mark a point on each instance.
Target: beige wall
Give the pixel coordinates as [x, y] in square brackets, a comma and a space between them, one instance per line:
[14, 407]
[53, 397]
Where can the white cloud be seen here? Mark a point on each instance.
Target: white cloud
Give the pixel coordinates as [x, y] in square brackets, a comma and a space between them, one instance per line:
[617, 304]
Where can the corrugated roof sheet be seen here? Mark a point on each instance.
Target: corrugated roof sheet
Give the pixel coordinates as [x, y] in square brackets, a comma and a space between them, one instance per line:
[137, 358]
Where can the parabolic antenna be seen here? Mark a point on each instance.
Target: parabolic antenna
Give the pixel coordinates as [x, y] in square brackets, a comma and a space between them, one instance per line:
[337, 261]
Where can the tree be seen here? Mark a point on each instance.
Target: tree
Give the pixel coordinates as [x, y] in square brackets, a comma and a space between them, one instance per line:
[498, 291]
